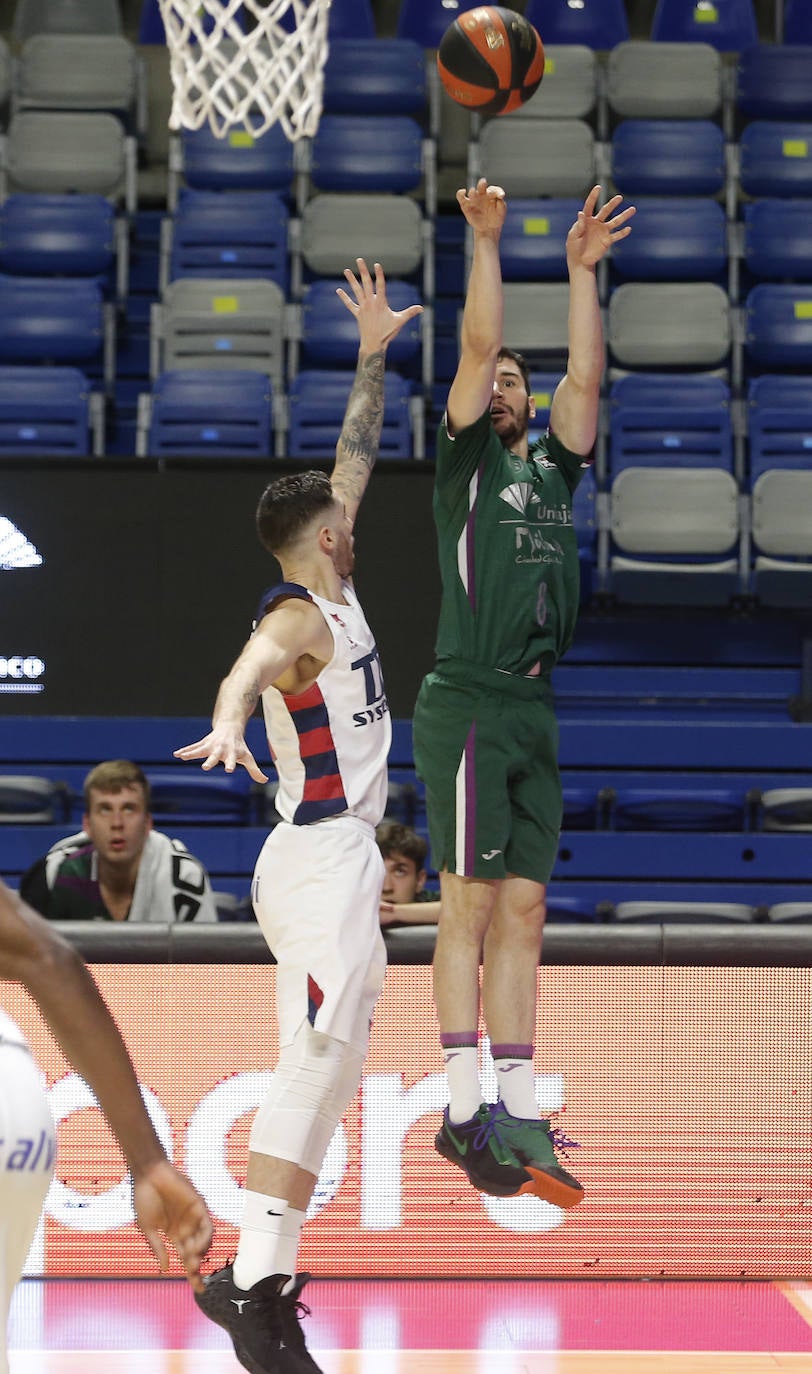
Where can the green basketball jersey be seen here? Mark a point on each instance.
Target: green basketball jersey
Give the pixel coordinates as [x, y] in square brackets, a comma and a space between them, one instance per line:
[507, 550]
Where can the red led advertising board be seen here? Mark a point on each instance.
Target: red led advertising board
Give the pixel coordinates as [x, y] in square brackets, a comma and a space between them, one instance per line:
[688, 1090]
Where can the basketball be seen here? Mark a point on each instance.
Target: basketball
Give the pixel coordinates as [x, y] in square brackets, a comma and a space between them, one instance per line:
[490, 60]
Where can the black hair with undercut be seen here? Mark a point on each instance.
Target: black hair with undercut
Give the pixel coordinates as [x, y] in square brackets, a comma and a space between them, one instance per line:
[520, 361]
[288, 505]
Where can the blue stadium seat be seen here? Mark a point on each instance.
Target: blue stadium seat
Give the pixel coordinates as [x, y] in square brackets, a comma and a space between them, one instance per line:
[51, 320]
[57, 235]
[774, 81]
[594, 23]
[684, 240]
[668, 157]
[658, 807]
[238, 162]
[776, 158]
[239, 234]
[778, 326]
[367, 153]
[658, 419]
[182, 797]
[351, 19]
[45, 410]
[533, 242]
[585, 524]
[26, 799]
[776, 239]
[207, 413]
[329, 334]
[797, 22]
[779, 423]
[425, 21]
[375, 76]
[317, 401]
[728, 25]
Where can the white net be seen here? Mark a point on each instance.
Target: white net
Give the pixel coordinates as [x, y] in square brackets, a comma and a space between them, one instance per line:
[237, 64]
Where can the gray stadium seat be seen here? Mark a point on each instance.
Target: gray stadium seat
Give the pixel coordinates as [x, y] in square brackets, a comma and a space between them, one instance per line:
[536, 321]
[225, 324]
[527, 159]
[790, 911]
[570, 89]
[648, 80]
[671, 527]
[65, 16]
[668, 324]
[782, 536]
[684, 913]
[336, 229]
[787, 808]
[79, 72]
[5, 80]
[56, 152]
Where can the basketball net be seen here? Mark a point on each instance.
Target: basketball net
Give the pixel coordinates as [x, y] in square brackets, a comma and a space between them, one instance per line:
[249, 75]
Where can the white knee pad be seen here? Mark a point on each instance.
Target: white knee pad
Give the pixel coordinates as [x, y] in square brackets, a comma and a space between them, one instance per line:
[314, 1082]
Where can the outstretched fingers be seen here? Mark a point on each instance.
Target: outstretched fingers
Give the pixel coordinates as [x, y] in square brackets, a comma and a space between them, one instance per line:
[619, 227]
[362, 286]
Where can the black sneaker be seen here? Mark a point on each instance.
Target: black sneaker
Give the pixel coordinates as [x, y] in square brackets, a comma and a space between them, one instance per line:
[478, 1147]
[263, 1322]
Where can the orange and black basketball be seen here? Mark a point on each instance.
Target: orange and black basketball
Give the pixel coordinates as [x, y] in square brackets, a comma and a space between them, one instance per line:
[490, 60]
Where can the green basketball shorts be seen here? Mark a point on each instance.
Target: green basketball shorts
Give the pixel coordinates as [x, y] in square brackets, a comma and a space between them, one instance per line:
[489, 762]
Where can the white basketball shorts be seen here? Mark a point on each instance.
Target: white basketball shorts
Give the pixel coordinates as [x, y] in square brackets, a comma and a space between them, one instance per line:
[27, 1151]
[316, 893]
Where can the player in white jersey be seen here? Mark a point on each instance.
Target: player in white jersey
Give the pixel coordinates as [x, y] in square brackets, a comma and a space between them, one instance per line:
[67, 996]
[313, 662]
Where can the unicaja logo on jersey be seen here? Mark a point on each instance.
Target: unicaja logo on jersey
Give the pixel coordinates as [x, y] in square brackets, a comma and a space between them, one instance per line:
[517, 495]
[16, 551]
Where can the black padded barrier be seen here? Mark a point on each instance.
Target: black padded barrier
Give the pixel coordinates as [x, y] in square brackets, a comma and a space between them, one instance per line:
[703, 946]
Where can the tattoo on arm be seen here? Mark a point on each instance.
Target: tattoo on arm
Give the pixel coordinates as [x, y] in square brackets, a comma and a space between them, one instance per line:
[358, 443]
[250, 697]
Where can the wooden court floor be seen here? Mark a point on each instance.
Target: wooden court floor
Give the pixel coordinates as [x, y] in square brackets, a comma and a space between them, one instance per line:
[72, 1326]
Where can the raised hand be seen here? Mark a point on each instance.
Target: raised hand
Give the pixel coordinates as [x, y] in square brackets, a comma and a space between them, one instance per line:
[378, 323]
[225, 744]
[484, 207]
[593, 233]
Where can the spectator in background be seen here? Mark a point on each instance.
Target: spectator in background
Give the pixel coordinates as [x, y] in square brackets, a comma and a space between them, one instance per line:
[117, 868]
[404, 899]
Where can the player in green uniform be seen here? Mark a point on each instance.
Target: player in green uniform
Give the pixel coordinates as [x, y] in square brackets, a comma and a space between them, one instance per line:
[485, 734]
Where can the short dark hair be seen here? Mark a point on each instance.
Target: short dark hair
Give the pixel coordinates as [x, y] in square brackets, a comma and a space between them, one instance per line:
[289, 504]
[113, 776]
[394, 838]
[520, 361]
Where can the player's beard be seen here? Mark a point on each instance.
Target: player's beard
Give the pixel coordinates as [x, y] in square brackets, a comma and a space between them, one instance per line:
[513, 428]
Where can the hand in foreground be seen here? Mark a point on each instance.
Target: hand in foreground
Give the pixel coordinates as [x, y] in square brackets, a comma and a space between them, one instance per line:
[165, 1201]
[224, 745]
[378, 323]
[593, 234]
[484, 207]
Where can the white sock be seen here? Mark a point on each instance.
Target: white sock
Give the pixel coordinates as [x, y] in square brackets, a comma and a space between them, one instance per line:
[269, 1238]
[464, 1088]
[516, 1080]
